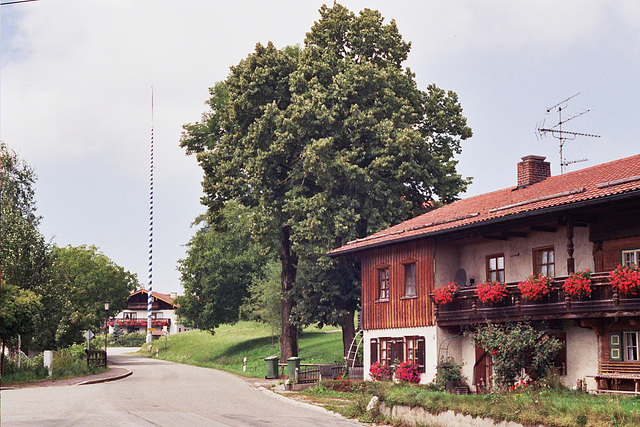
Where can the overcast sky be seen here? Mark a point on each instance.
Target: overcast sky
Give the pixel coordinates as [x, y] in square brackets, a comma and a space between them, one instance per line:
[76, 78]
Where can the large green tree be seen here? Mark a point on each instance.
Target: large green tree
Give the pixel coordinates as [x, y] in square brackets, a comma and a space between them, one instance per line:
[221, 263]
[329, 143]
[24, 254]
[83, 278]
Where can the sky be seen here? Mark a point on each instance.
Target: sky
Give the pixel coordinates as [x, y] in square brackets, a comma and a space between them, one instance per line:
[76, 79]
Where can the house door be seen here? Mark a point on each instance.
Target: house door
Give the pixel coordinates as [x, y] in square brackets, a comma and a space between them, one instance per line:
[482, 370]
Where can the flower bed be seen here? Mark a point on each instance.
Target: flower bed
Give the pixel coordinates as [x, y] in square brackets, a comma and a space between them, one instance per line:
[407, 372]
[445, 294]
[578, 284]
[491, 292]
[535, 288]
[380, 372]
[626, 280]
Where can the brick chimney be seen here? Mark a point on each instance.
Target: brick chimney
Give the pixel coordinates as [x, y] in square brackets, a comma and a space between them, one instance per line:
[533, 169]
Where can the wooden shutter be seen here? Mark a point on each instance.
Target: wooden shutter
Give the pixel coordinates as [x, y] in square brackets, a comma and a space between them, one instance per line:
[374, 351]
[397, 350]
[421, 354]
[615, 346]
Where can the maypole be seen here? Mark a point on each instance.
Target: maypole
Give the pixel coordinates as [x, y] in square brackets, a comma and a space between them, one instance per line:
[150, 288]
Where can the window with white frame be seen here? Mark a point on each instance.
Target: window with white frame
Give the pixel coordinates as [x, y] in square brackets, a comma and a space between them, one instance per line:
[495, 268]
[383, 283]
[630, 345]
[410, 289]
[631, 257]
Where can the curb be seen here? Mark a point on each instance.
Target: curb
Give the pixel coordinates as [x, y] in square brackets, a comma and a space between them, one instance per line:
[107, 379]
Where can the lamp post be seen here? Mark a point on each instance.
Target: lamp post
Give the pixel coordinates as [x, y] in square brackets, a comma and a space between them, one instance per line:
[106, 330]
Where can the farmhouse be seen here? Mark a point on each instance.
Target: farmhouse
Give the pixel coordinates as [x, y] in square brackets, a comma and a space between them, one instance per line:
[133, 319]
[543, 225]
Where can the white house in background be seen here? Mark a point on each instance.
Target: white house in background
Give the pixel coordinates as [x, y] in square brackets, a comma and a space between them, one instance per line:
[134, 317]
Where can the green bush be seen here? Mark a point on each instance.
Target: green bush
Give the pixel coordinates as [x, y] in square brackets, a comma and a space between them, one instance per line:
[449, 372]
[128, 340]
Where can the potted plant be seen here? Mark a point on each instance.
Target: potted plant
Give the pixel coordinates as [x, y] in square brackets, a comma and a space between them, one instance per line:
[626, 280]
[535, 288]
[578, 284]
[491, 292]
[445, 294]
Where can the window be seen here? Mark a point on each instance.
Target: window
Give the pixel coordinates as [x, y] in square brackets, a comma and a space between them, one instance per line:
[631, 257]
[544, 262]
[630, 345]
[391, 350]
[383, 283]
[495, 268]
[624, 346]
[410, 280]
[415, 351]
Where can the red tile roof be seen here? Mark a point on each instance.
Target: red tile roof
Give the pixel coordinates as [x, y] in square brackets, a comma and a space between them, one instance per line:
[607, 179]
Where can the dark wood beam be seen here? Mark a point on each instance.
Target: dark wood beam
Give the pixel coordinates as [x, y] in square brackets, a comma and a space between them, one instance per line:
[544, 228]
[495, 237]
[515, 234]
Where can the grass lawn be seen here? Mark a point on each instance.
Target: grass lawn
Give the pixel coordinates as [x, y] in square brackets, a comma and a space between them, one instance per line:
[561, 408]
[226, 349]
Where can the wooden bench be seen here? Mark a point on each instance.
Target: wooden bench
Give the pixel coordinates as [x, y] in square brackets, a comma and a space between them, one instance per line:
[611, 374]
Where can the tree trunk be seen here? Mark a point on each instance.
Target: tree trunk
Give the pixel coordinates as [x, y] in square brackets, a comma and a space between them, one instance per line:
[2, 359]
[289, 339]
[348, 331]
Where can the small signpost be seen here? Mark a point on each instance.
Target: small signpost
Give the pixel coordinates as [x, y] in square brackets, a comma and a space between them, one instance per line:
[88, 335]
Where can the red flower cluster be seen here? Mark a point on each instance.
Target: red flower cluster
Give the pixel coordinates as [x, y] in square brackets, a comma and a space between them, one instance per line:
[491, 292]
[535, 288]
[408, 371]
[626, 280]
[380, 372]
[578, 284]
[520, 386]
[445, 294]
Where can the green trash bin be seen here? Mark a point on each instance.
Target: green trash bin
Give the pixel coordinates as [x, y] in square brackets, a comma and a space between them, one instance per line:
[272, 367]
[293, 363]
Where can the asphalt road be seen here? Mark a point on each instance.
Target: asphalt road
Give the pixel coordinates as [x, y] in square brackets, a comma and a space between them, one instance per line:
[160, 393]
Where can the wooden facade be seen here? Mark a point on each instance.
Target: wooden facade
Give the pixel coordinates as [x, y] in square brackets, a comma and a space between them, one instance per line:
[398, 310]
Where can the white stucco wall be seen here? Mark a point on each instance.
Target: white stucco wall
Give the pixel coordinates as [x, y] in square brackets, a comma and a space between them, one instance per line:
[518, 255]
[431, 347]
[582, 354]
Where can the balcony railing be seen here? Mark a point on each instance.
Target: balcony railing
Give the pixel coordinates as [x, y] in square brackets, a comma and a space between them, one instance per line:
[466, 308]
[123, 323]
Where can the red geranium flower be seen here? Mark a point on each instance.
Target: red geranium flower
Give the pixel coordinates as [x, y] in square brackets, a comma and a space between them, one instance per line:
[491, 292]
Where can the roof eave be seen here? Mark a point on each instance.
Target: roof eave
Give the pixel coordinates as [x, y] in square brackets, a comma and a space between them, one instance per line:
[506, 218]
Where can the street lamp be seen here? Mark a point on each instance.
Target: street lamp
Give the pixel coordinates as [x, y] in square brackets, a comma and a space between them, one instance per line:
[106, 330]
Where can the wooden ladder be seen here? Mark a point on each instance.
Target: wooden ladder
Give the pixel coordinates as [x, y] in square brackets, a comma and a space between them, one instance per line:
[354, 347]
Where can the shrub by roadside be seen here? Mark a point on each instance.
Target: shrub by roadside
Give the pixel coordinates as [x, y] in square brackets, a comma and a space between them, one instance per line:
[67, 363]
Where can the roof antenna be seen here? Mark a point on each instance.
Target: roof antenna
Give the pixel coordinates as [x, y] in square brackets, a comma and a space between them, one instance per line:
[562, 135]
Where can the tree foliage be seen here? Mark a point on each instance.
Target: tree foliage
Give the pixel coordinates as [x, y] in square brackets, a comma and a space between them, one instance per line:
[74, 300]
[329, 143]
[220, 265]
[24, 254]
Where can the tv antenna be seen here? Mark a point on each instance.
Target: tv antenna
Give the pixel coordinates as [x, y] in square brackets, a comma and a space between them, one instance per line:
[562, 135]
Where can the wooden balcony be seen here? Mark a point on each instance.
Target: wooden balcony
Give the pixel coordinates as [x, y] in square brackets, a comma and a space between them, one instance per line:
[139, 322]
[467, 309]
